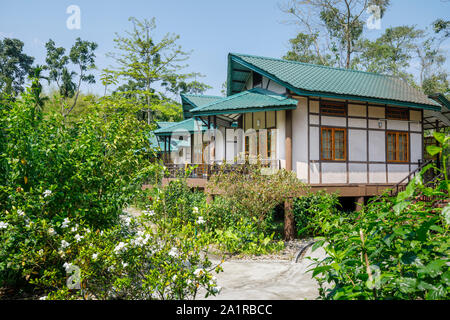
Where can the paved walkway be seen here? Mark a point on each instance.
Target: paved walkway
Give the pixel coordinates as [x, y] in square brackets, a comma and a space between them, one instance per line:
[267, 279]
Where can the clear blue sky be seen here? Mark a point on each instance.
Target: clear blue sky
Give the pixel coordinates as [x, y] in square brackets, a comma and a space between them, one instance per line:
[211, 28]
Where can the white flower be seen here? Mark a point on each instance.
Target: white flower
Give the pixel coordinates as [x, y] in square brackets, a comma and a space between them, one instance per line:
[51, 232]
[199, 272]
[195, 210]
[67, 266]
[149, 213]
[94, 256]
[3, 225]
[64, 244]
[65, 223]
[124, 264]
[174, 278]
[173, 252]
[47, 193]
[41, 252]
[120, 247]
[78, 237]
[20, 213]
[74, 228]
[43, 298]
[200, 220]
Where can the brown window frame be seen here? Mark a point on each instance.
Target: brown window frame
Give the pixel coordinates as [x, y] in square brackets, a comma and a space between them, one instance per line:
[333, 151]
[326, 109]
[397, 113]
[397, 147]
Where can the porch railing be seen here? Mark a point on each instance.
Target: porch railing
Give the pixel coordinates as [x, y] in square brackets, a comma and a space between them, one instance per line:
[206, 170]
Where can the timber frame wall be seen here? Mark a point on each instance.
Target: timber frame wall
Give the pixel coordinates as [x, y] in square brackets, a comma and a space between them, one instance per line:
[367, 128]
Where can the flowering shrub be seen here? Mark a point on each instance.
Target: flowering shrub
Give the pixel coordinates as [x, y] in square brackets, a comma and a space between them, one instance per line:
[128, 261]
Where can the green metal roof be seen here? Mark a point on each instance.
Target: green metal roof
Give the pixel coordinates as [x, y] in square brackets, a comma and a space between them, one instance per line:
[164, 124]
[315, 80]
[253, 100]
[175, 144]
[189, 125]
[191, 101]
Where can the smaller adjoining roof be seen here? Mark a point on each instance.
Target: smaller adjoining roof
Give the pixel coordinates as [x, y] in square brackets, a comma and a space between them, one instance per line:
[253, 100]
[189, 125]
[191, 101]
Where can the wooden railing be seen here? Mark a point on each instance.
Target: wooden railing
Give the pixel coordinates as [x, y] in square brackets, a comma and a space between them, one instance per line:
[401, 185]
[205, 171]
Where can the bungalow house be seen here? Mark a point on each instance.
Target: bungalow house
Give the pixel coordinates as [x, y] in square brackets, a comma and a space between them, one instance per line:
[342, 130]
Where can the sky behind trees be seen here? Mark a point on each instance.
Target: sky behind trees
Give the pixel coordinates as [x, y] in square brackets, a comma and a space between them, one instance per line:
[210, 28]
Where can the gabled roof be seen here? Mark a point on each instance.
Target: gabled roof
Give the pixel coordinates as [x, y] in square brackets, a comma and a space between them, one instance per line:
[191, 101]
[315, 80]
[189, 125]
[256, 99]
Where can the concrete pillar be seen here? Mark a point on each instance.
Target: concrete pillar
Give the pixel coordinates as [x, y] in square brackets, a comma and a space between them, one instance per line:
[288, 140]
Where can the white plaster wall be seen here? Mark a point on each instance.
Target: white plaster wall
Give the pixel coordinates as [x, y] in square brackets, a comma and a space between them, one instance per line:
[354, 122]
[281, 135]
[300, 138]
[314, 147]
[219, 144]
[416, 147]
[333, 121]
[396, 172]
[357, 173]
[357, 149]
[377, 173]
[377, 148]
[397, 125]
[314, 173]
[313, 119]
[275, 87]
[414, 126]
[375, 124]
[334, 172]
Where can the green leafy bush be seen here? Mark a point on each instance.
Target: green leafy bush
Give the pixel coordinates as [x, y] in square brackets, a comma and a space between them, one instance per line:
[396, 249]
[316, 213]
[51, 170]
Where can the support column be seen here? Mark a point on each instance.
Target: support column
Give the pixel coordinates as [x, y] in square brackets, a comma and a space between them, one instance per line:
[288, 140]
[359, 203]
[289, 223]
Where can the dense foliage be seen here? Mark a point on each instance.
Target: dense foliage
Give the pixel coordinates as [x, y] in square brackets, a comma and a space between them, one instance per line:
[397, 248]
[315, 213]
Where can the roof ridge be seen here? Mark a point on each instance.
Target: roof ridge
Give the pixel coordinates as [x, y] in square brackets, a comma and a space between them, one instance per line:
[315, 65]
[199, 95]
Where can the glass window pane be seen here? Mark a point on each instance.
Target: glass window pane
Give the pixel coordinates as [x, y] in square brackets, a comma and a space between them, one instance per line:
[402, 147]
[339, 145]
[326, 144]
[391, 147]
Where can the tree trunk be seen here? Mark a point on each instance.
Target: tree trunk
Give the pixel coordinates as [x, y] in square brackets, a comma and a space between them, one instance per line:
[289, 223]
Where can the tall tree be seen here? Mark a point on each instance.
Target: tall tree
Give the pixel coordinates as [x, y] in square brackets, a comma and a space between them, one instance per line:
[148, 66]
[82, 59]
[14, 66]
[332, 27]
[391, 53]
